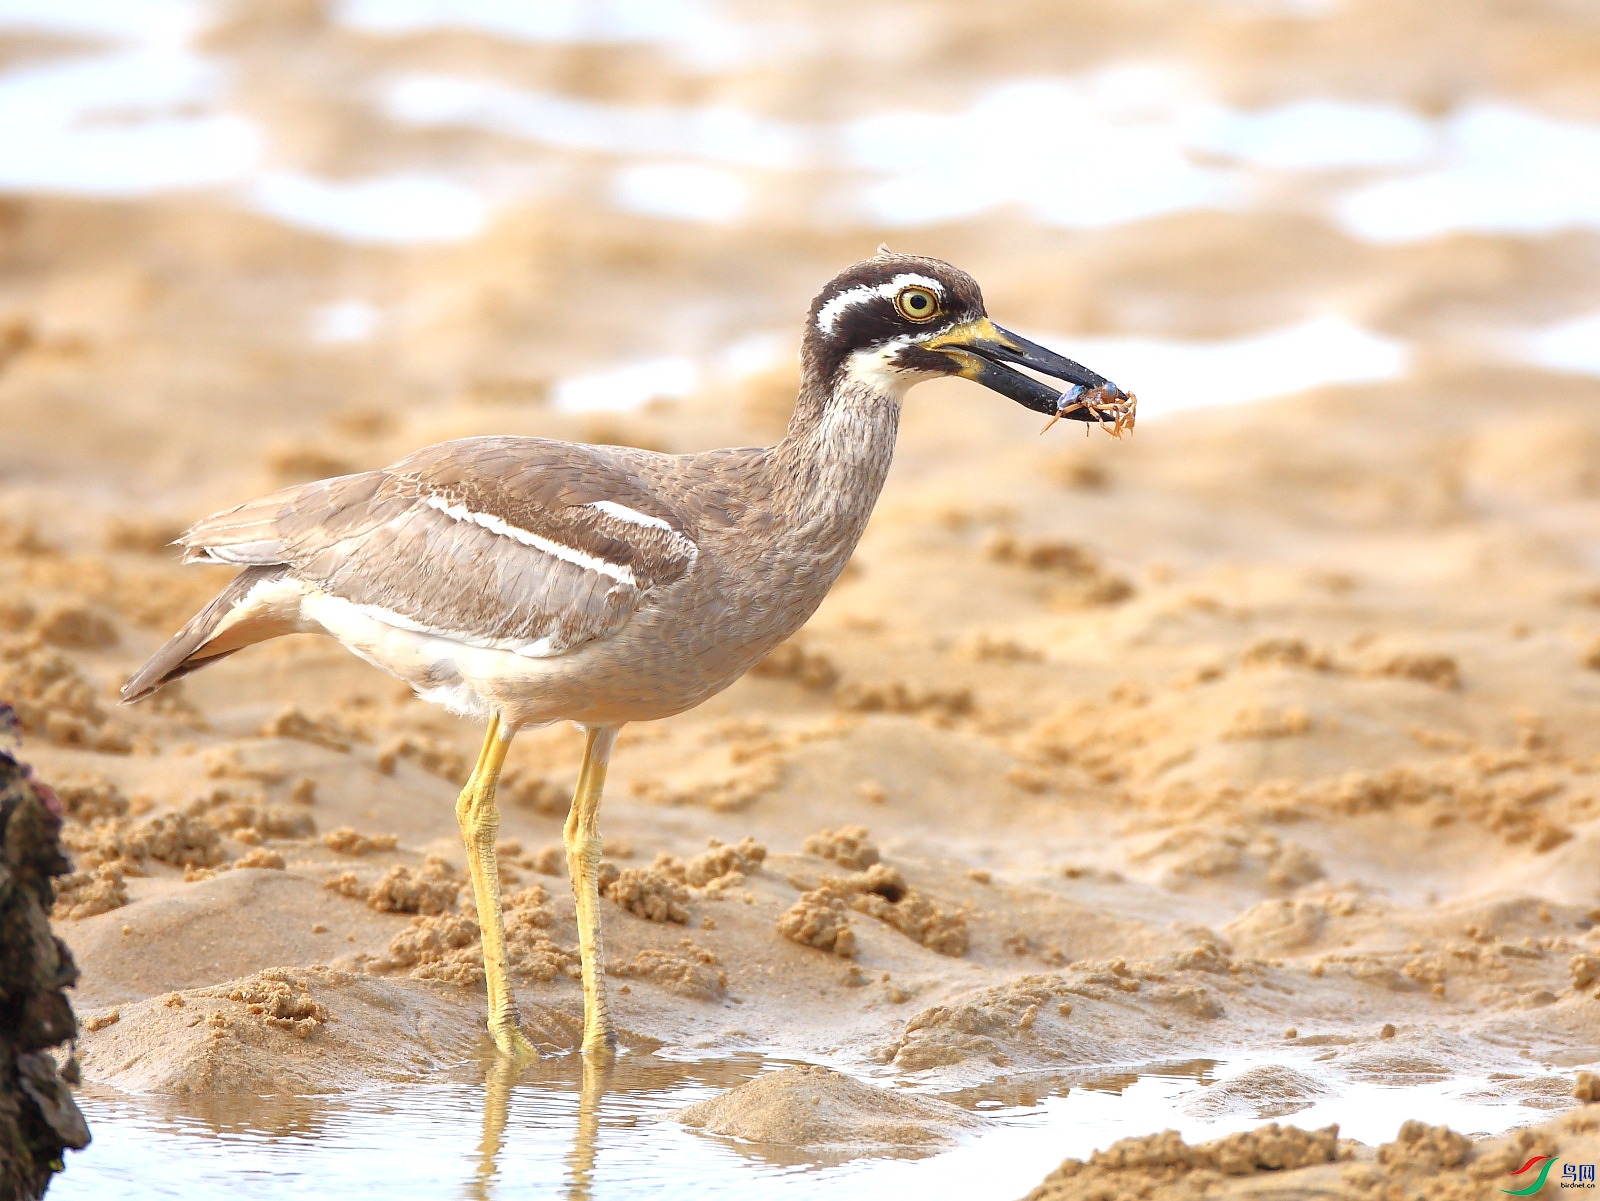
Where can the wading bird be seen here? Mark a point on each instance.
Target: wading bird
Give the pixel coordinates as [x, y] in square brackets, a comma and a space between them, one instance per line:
[524, 581]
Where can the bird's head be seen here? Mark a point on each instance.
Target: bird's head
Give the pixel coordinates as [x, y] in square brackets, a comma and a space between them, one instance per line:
[895, 320]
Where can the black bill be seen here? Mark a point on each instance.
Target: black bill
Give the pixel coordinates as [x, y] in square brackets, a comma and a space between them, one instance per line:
[984, 349]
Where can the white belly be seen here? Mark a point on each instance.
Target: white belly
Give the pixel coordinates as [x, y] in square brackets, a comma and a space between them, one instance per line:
[440, 669]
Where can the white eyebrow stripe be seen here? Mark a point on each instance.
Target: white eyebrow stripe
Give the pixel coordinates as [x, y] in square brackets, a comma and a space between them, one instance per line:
[828, 315]
[622, 574]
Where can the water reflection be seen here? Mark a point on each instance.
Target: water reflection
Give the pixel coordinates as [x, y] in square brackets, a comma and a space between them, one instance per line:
[557, 1128]
[561, 1129]
[1030, 1091]
[586, 1132]
[497, 1084]
[1201, 1071]
[613, 1094]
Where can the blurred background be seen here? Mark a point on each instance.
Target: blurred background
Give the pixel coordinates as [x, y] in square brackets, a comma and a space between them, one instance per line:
[298, 236]
[1309, 664]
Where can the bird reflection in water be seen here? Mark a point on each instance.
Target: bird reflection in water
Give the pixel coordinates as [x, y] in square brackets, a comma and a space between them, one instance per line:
[501, 1078]
[623, 1089]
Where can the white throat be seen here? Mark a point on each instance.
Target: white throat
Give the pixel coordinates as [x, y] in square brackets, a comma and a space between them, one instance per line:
[873, 370]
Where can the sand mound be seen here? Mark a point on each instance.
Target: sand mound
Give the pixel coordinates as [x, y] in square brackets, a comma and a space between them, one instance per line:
[816, 1107]
[1095, 1011]
[1269, 1091]
[1161, 1167]
[1425, 1162]
[687, 970]
[285, 1030]
[217, 929]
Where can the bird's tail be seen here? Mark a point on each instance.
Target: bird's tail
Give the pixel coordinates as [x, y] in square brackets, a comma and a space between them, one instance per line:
[198, 643]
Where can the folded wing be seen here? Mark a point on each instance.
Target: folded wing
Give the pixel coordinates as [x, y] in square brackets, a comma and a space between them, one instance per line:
[517, 544]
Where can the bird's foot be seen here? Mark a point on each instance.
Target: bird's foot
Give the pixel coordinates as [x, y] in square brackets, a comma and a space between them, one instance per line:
[599, 1041]
[511, 1042]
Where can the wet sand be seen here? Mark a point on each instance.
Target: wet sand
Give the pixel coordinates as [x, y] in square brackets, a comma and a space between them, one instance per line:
[1269, 725]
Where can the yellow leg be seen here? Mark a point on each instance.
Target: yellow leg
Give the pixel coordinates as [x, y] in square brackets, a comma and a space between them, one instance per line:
[480, 824]
[583, 865]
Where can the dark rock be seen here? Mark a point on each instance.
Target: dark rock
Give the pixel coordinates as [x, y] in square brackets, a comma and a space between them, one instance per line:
[38, 1117]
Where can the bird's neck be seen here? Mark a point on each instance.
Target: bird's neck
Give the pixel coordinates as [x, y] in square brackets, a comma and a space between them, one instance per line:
[831, 463]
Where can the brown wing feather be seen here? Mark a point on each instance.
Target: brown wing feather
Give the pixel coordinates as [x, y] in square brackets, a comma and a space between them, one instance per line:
[186, 650]
[267, 529]
[489, 540]
[549, 489]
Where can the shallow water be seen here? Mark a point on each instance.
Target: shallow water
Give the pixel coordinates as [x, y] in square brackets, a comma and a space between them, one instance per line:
[149, 107]
[153, 113]
[551, 1133]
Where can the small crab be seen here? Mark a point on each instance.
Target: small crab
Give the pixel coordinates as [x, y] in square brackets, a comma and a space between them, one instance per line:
[1114, 409]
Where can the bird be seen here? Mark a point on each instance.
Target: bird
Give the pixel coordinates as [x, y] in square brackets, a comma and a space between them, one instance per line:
[523, 581]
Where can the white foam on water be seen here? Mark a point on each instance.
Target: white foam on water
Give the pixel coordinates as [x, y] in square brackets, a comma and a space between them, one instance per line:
[382, 210]
[121, 124]
[696, 32]
[628, 387]
[714, 133]
[345, 321]
[143, 118]
[134, 160]
[128, 84]
[150, 117]
[1572, 345]
[1101, 148]
[1095, 150]
[132, 20]
[754, 353]
[1129, 143]
[1315, 135]
[1169, 376]
[1506, 170]
[684, 191]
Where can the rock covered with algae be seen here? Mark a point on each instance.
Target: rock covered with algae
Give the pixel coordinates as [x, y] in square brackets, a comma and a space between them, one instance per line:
[38, 1118]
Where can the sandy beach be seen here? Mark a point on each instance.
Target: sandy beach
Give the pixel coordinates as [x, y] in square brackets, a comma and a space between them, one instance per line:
[1269, 725]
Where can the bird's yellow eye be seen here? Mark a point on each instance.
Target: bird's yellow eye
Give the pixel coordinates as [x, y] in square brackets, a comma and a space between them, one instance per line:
[917, 304]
